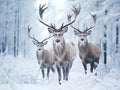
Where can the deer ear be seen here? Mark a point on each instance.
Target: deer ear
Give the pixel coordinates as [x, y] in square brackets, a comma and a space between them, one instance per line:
[51, 30]
[45, 42]
[65, 29]
[88, 32]
[35, 42]
[76, 32]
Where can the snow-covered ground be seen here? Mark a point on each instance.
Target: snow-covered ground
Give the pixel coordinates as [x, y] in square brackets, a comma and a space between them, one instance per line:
[20, 74]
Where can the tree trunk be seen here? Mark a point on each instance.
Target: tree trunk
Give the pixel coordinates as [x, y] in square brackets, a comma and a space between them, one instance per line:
[117, 38]
[105, 45]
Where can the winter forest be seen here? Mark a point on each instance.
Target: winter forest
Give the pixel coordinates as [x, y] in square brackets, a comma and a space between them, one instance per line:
[20, 68]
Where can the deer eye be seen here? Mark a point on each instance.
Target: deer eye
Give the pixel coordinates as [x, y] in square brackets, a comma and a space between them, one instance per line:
[40, 45]
[60, 34]
[79, 35]
[39, 49]
[55, 34]
[84, 35]
[37, 45]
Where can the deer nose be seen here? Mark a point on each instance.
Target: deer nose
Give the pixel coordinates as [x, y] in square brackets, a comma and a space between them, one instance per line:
[82, 39]
[39, 49]
[57, 40]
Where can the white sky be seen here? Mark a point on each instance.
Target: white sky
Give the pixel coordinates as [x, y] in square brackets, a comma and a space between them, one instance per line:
[56, 3]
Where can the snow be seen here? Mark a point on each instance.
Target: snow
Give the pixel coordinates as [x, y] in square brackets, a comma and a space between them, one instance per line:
[20, 73]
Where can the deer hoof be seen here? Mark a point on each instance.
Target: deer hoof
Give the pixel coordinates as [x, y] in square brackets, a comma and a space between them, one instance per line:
[59, 83]
[95, 74]
[66, 79]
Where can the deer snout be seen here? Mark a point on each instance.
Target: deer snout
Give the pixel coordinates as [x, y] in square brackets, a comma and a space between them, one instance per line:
[39, 49]
[57, 40]
[82, 39]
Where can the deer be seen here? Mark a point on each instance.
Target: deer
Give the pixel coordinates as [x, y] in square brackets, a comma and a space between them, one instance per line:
[65, 53]
[45, 57]
[89, 52]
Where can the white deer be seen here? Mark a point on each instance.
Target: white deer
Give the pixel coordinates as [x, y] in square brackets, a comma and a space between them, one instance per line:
[45, 57]
[65, 53]
[88, 52]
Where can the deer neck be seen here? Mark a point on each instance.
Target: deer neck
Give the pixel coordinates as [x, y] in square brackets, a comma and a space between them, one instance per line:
[40, 55]
[59, 49]
[83, 48]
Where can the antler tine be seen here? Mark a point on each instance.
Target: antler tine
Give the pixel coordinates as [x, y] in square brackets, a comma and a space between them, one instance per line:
[76, 11]
[41, 11]
[29, 29]
[69, 16]
[76, 28]
[47, 38]
[52, 26]
[44, 23]
[94, 18]
[62, 25]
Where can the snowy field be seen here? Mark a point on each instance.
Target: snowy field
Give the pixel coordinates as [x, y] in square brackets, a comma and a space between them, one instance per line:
[20, 74]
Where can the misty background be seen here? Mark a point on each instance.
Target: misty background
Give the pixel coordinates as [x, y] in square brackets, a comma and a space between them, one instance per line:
[17, 49]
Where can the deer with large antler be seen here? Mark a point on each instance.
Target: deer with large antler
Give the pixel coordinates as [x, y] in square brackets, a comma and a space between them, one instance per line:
[88, 52]
[65, 53]
[45, 57]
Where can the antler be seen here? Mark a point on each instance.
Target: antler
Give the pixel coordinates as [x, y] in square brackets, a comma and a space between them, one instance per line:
[69, 16]
[42, 8]
[46, 39]
[94, 18]
[76, 12]
[76, 29]
[29, 28]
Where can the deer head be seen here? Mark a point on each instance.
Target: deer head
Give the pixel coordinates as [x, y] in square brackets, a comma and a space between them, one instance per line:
[40, 45]
[83, 34]
[58, 33]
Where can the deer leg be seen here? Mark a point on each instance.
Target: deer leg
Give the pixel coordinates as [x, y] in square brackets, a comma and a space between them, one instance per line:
[42, 70]
[71, 65]
[92, 66]
[48, 70]
[64, 72]
[95, 65]
[66, 63]
[53, 70]
[85, 67]
[67, 71]
[59, 74]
